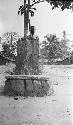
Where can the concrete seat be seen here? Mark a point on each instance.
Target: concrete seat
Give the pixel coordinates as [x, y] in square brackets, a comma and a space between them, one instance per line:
[26, 85]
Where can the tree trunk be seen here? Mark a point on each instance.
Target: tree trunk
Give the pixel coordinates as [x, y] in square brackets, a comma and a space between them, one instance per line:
[27, 61]
[26, 18]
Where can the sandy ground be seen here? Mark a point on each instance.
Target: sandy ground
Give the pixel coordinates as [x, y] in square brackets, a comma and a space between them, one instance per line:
[49, 110]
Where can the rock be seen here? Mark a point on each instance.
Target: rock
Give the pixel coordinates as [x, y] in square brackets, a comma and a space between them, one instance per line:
[15, 98]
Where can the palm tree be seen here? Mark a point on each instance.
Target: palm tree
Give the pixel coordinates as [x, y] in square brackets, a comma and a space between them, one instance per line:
[53, 46]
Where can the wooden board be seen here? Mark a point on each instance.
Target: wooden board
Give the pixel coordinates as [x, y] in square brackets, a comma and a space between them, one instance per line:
[33, 77]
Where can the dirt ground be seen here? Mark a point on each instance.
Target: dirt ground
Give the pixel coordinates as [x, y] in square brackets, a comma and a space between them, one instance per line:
[49, 110]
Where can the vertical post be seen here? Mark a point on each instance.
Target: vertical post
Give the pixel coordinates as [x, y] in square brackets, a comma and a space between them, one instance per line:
[25, 19]
[28, 15]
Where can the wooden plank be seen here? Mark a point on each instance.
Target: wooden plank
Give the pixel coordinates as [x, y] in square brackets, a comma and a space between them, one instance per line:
[31, 77]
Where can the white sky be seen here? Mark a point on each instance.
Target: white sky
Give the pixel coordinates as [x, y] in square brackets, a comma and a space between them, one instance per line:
[9, 18]
[45, 20]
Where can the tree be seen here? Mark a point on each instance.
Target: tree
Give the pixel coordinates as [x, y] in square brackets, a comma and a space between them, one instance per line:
[51, 49]
[10, 37]
[43, 50]
[64, 45]
[9, 43]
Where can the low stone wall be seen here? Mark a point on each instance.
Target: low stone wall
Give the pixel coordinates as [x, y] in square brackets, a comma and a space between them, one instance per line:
[26, 85]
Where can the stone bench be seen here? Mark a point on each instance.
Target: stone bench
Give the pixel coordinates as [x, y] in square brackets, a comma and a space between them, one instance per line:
[28, 85]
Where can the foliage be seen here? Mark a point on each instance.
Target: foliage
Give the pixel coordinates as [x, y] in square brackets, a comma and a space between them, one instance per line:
[43, 50]
[8, 51]
[64, 45]
[10, 37]
[9, 43]
[55, 4]
[71, 55]
[51, 48]
[62, 4]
